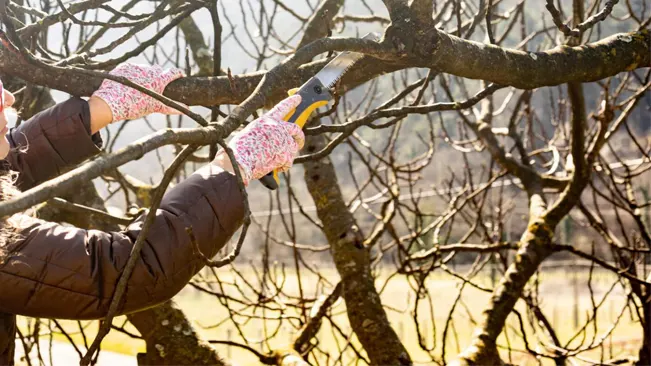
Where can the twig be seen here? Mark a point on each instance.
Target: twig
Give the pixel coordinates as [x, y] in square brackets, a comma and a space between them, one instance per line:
[121, 286]
[60, 203]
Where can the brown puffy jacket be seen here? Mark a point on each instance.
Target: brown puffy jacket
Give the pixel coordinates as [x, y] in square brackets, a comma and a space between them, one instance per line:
[63, 272]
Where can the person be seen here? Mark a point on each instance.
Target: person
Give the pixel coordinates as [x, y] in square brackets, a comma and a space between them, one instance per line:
[48, 270]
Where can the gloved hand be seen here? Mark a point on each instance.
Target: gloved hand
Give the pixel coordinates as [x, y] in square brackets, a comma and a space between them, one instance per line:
[128, 103]
[267, 143]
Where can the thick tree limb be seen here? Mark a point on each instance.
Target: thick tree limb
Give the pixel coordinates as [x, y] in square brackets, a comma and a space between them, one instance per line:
[422, 10]
[171, 338]
[596, 61]
[320, 22]
[535, 248]
[204, 90]
[608, 57]
[396, 8]
[269, 85]
[200, 50]
[364, 308]
[365, 312]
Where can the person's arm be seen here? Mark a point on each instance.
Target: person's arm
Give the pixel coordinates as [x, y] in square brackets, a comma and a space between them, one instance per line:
[67, 134]
[100, 114]
[51, 142]
[53, 271]
[69, 273]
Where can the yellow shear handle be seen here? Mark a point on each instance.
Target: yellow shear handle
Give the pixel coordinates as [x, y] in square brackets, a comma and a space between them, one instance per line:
[301, 119]
[305, 113]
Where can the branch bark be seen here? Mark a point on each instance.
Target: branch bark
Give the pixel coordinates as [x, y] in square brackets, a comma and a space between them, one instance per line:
[171, 339]
[320, 22]
[529, 70]
[536, 243]
[535, 248]
[441, 51]
[366, 314]
[200, 50]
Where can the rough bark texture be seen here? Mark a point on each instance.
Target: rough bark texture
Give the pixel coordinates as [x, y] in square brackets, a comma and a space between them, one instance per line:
[535, 244]
[535, 248]
[171, 339]
[364, 307]
[434, 49]
[591, 62]
[200, 51]
[365, 312]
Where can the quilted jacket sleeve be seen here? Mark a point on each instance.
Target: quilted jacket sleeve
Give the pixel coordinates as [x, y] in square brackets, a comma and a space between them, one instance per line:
[56, 271]
[52, 142]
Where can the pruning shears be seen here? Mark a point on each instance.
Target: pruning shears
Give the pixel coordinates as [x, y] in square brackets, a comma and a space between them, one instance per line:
[316, 93]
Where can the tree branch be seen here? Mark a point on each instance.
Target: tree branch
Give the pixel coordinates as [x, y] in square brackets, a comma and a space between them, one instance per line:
[320, 22]
[529, 70]
[610, 56]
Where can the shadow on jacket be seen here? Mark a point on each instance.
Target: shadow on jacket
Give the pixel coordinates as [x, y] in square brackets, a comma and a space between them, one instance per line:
[62, 272]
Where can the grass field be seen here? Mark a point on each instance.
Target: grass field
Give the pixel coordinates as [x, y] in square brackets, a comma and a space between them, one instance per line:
[558, 298]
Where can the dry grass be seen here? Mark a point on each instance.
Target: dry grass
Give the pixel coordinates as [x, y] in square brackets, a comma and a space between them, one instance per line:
[557, 300]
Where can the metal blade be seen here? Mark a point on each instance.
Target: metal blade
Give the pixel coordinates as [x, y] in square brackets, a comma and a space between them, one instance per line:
[336, 68]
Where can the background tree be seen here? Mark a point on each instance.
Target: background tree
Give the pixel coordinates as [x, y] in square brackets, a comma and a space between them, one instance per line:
[476, 145]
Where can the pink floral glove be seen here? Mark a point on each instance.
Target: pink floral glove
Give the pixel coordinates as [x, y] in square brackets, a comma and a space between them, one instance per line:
[128, 103]
[268, 143]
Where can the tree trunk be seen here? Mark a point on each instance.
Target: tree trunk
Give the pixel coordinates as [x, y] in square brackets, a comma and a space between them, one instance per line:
[365, 311]
[535, 249]
[171, 339]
